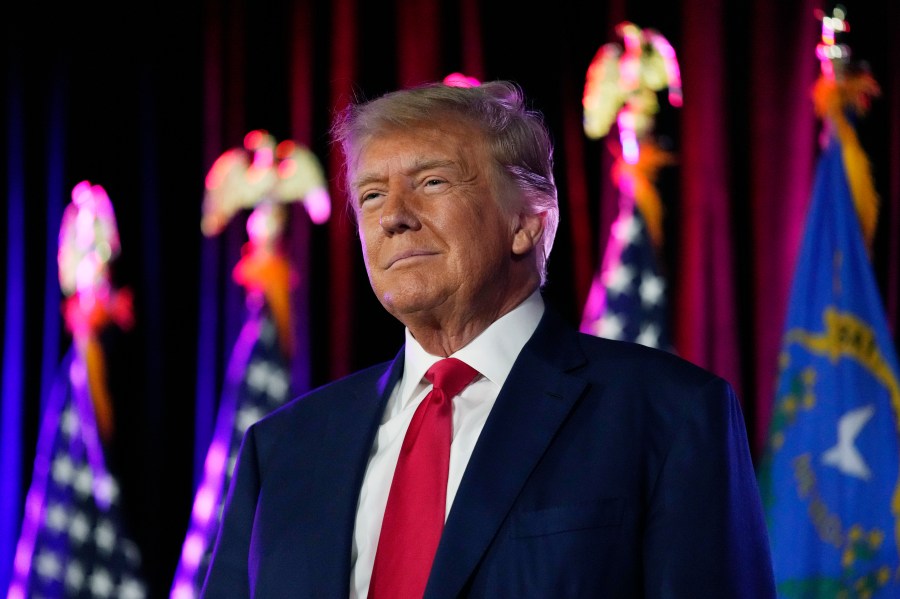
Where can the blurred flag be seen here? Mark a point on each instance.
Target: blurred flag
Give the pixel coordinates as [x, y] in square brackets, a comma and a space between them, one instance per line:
[832, 490]
[831, 475]
[258, 382]
[73, 541]
[265, 176]
[627, 299]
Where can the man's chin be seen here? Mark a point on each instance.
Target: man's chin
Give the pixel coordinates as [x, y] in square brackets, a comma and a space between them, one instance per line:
[406, 305]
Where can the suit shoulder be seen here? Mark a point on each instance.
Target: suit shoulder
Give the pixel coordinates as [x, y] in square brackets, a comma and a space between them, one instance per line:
[640, 362]
[659, 393]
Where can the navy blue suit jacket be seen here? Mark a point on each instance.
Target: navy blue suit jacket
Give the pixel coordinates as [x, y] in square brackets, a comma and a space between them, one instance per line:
[605, 469]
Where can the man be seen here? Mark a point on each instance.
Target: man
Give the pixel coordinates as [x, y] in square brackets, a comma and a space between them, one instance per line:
[579, 466]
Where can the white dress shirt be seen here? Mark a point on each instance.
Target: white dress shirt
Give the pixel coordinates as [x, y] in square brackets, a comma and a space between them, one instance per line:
[492, 354]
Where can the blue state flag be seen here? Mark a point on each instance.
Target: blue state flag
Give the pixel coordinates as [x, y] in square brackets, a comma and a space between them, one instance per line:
[830, 477]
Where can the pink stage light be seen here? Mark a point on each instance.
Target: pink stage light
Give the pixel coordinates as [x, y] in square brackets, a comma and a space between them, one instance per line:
[193, 549]
[215, 461]
[203, 507]
[183, 590]
[461, 80]
[318, 204]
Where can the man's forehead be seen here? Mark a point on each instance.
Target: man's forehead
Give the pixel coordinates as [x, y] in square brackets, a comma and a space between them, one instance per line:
[409, 154]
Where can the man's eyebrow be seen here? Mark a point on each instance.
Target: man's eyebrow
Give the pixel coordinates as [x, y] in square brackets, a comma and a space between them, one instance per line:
[417, 167]
[363, 180]
[424, 165]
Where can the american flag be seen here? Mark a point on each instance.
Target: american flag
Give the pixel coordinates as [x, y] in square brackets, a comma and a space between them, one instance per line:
[258, 381]
[627, 300]
[73, 541]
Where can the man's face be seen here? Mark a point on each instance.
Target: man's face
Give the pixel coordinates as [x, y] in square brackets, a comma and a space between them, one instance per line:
[435, 241]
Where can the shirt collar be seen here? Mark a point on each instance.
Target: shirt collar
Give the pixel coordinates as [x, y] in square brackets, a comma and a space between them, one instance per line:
[492, 353]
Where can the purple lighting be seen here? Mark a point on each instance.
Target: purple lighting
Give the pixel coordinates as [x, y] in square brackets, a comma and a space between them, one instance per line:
[12, 374]
[204, 505]
[193, 549]
[183, 590]
[203, 523]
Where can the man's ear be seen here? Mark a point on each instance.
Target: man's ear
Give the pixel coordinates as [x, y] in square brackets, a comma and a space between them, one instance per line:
[526, 237]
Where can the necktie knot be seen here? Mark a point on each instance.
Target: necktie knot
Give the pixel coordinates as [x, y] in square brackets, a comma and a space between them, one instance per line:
[451, 376]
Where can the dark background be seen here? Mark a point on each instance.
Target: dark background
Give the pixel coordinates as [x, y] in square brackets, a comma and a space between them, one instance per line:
[142, 98]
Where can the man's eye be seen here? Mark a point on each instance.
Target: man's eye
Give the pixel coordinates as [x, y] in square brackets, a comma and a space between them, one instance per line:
[369, 196]
[432, 182]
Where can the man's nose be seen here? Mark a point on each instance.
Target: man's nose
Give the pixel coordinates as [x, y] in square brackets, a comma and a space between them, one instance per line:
[399, 213]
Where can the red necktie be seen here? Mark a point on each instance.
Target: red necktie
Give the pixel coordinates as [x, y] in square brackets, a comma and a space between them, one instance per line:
[417, 503]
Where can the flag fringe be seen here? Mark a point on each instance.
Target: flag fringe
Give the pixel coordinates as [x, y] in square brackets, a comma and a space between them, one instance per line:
[833, 99]
[271, 274]
[85, 319]
[643, 176]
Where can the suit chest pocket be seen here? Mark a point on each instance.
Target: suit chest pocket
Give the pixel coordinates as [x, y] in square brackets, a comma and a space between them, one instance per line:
[603, 513]
[577, 550]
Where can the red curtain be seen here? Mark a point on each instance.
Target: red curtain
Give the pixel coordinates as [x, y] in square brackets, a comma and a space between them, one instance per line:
[783, 150]
[705, 323]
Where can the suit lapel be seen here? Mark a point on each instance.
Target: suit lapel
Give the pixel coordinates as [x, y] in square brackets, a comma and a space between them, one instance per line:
[341, 463]
[533, 403]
